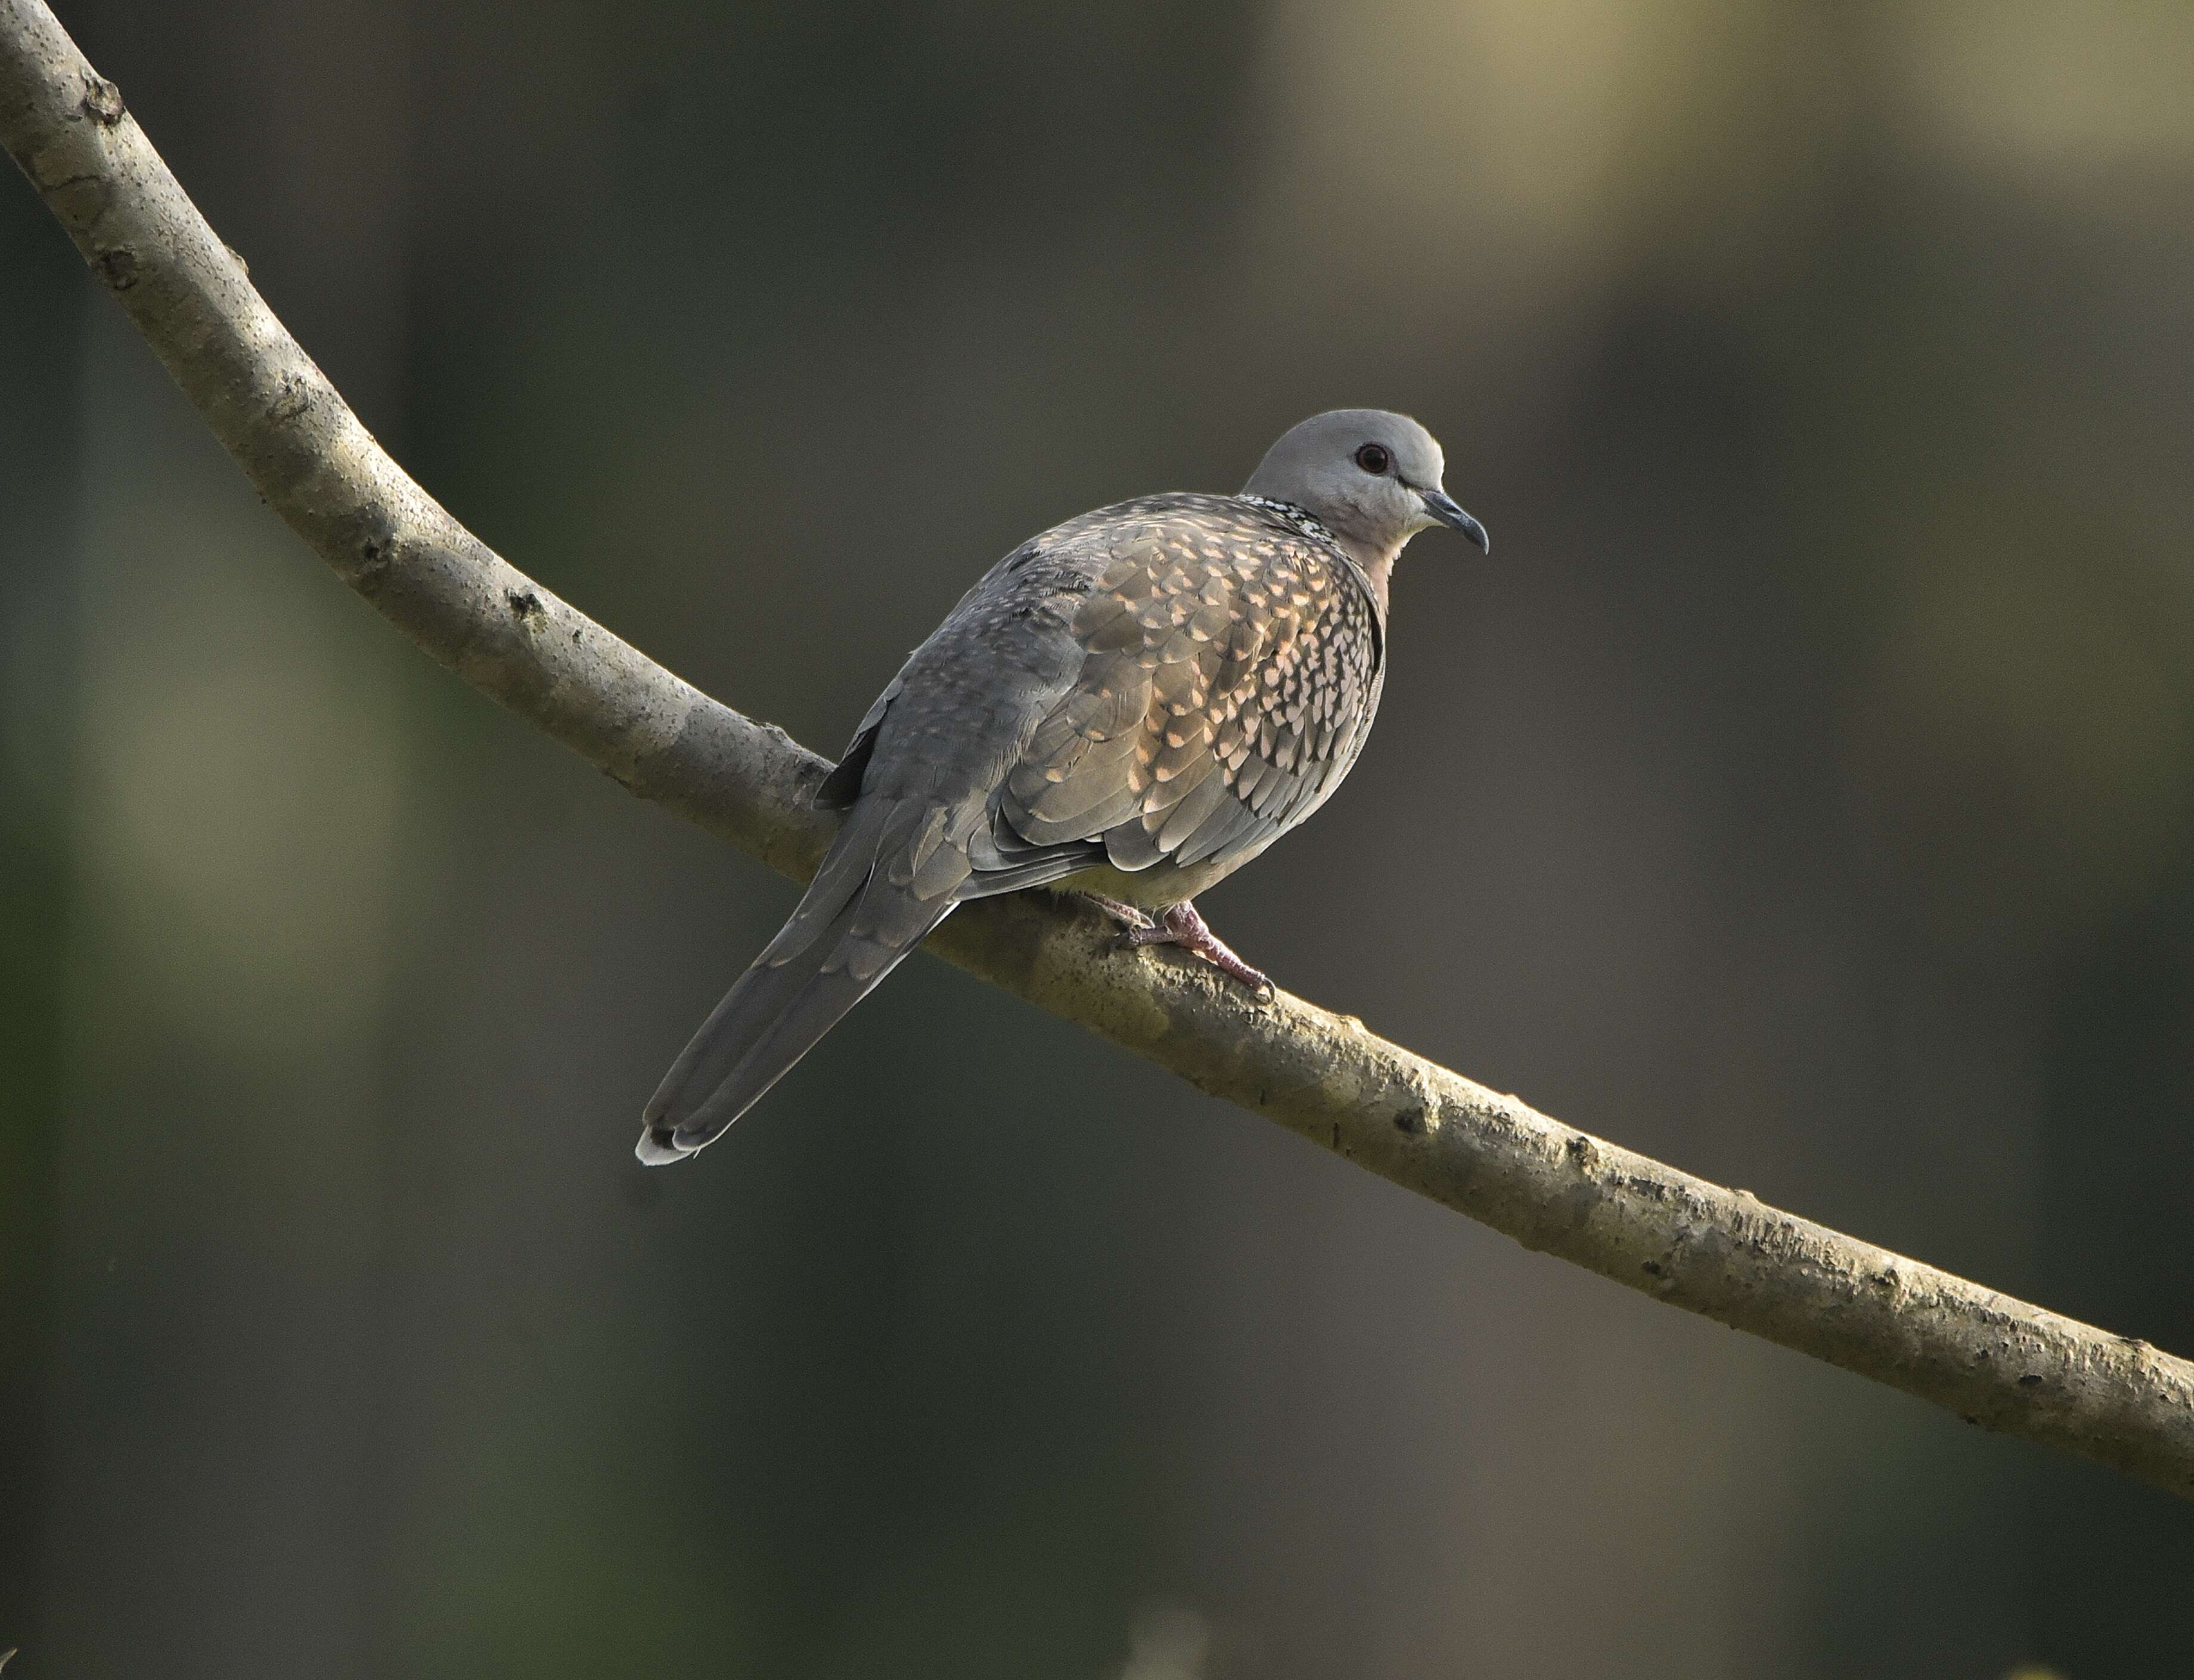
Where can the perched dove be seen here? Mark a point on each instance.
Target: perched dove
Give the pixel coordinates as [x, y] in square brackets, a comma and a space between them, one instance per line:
[1130, 706]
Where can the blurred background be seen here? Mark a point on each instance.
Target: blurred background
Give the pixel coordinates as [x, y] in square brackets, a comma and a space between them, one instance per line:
[1803, 794]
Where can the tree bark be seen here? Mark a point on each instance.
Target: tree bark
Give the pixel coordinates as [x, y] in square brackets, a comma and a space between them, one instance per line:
[1996, 1361]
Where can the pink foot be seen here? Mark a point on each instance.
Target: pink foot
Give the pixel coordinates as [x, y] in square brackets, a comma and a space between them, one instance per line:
[1182, 925]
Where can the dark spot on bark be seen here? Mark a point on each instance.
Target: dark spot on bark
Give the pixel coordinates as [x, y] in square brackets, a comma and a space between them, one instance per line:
[119, 269]
[2030, 1380]
[290, 400]
[525, 605]
[1410, 1120]
[1653, 1267]
[375, 539]
[102, 101]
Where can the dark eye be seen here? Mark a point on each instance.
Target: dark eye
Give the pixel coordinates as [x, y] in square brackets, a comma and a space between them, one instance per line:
[1374, 458]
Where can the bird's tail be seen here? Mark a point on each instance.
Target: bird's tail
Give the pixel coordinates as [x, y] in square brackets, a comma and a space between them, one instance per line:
[852, 928]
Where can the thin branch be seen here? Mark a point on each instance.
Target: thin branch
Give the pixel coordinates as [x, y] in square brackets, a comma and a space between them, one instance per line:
[1996, 1361]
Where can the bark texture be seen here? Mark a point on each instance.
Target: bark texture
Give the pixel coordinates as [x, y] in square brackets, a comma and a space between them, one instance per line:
[1998, 1363]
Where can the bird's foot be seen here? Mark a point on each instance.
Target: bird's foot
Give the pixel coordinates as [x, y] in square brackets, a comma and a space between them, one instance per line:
[1183, 925]
[1134, 920]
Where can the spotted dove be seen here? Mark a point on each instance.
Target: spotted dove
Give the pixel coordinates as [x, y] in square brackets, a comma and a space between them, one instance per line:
[1130, 706]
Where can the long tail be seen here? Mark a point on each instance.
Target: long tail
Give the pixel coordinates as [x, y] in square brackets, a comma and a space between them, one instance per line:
[853, 927]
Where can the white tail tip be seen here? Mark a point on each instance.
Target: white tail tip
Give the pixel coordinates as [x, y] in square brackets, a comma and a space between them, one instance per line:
[658, 1149]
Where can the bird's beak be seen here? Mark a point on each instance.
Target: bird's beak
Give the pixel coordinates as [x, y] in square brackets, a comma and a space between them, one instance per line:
[1441, 506]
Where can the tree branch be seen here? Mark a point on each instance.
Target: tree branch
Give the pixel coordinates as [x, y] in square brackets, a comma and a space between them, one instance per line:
[1996, 1361]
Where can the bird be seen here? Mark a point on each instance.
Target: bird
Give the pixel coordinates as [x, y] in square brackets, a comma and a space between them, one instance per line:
[1129, 707]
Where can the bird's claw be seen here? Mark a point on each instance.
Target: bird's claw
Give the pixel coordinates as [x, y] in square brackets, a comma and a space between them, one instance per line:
[1182, 925]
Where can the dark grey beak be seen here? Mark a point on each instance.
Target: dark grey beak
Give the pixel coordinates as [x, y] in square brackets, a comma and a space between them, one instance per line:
[1442, 507]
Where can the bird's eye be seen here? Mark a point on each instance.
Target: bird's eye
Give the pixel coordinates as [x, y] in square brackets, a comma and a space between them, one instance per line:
[1374, 458]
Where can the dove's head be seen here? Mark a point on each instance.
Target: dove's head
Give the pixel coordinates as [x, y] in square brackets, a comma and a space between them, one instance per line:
[1371, 478]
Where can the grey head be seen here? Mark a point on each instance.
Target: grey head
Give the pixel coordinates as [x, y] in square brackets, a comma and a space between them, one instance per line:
[1371, 478]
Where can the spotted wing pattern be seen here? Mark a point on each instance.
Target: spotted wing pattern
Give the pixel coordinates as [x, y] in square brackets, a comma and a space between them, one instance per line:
[1232, 664]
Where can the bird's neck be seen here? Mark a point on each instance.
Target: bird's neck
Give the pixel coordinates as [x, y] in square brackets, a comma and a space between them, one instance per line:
[1378, 564]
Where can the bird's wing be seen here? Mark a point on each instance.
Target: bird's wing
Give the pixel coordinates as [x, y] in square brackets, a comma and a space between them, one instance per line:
[1230, 668]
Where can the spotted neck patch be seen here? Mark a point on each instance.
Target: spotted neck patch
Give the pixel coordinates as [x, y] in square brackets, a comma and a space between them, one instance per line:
[1302, 518]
